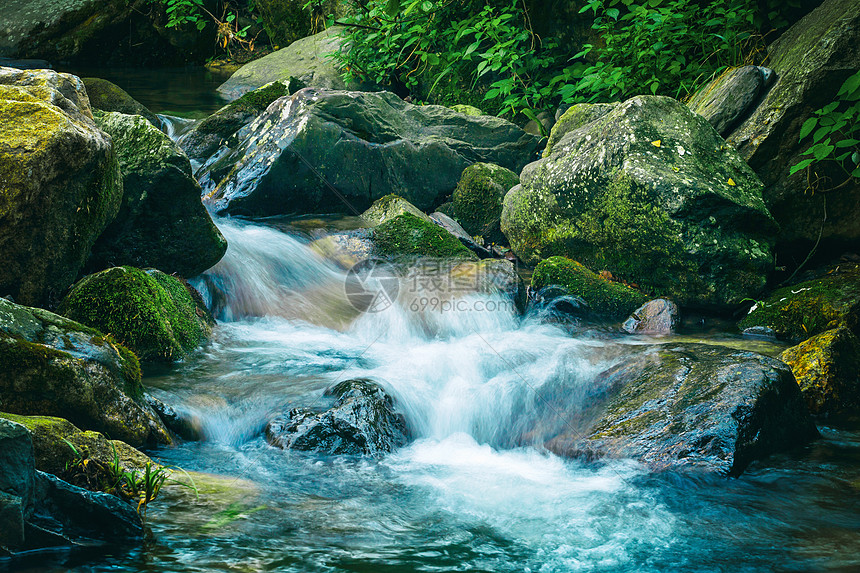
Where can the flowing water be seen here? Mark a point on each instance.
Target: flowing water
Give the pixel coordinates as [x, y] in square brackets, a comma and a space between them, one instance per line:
[462, 496]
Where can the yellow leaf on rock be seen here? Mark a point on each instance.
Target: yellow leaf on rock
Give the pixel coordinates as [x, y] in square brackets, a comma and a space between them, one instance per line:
[732, 182]
[656, 143]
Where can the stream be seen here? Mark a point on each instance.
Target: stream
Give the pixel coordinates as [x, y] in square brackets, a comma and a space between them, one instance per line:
[466, 494]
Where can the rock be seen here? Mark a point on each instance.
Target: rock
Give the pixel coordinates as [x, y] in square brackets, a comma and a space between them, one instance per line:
[106, 96]
[540, 126]
[156, 315]
[466, 109]
[307, 60]
[52, 454]
[651, 193]
[455, 229]
[693, 407]
[11, 522]
[337, 151]
[287, 21]
[608, 299]
[60, 179]
[347, 248]
[16, 467]
[489, 276]
[808, 308]
[206, 136]
[25, 64]
[759, 333]
[827, 368]
[659, 316]
[162, 222]
[52, 366]
[477, 200]
[572, 119]
[408, 236]
[811, 61]
[387, 208]
[362, 420]
[728, 99]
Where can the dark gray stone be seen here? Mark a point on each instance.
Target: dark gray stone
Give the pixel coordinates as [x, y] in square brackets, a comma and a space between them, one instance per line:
[659, 316]
[729, 98]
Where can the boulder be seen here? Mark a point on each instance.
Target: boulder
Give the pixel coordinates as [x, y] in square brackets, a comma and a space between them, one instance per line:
[458, 231]
[827, 368]
[572, 119]
[106, 96]
[477, 200]
[159, 317]
[810, 307]
[691, 407]
[16, 467]
[52, 366]
[60, 183]
[288, 21]
[605, 298]
[726, 100]
[208, 135]
[811, 60]
[162, 222]
[307, 60]
[657, 317]
[466, 109]
[361, 421]
[651, 193]
[387, 208]
[338, 151]
[407, 236]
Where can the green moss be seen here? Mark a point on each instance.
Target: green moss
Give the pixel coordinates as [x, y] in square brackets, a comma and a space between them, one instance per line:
[407, 235]
[811, 307]
[467, 109]
[259, 99]
[607, 298]
[152, 314]
[388, 207]
[572, 119]
[106, 96]
[477, 200]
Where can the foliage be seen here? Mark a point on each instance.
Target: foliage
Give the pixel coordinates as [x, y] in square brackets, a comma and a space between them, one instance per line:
[188, 13]
[835, 133]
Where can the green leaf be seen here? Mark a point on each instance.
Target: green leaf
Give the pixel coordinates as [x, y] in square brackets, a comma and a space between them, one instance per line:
[822, 151]
[846, 143]
[850, 85]
[808, 126]
[820, 133]
[392, 8]
[800, 166]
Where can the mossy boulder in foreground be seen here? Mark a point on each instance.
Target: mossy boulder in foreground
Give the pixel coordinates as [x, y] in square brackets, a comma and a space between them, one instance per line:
[606, 298]
[107, 96]
[53, 366]
[60, 183]
[408, 236]
[477, 200]
[650, 192]
[808, 308]
[827, 368]
[162, 222]
[157, 316]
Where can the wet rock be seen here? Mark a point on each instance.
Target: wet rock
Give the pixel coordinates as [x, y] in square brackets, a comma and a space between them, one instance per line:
[407, 236]
[455, 229]
[466, 109]
[759, 333]
[207, 136]
[811, 61]
[728, 99]
[604, 298]
[651, 193]
[106, 96]
[183, 424]
[692, 407]
[658, 317]
[162, 222]
[827, 368]
[306, 60]
[61, 183]
[477, 201]
[335, 151]
[347, 248]
[16, 467]
[387, 208]
[808, 308]
[157, 316]
[52, 366]
[362, 420]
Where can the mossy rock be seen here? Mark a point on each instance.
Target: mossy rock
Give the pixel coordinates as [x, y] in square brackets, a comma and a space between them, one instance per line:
[162, 222]
[575, 117]
[827, 368]
[466, 109]
[53, 366]
[388, 207]
[409, 236]
[152, 313]
[808, 308]
[477, 200]
[609, 299]
[52, 453]
[106, 96]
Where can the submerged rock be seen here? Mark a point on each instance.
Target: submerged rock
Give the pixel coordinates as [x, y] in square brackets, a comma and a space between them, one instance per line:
[60, 179]
[650, 192]
[692, 406]
[811, 61]
[827, 368]
[362, 420]
[603, 297]
[106, 96]
[728, 99]
[162, 222]
[808, 308]
[659, 316]
[477, 201]
[52, 366]
[336, 151]
[156, 315]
